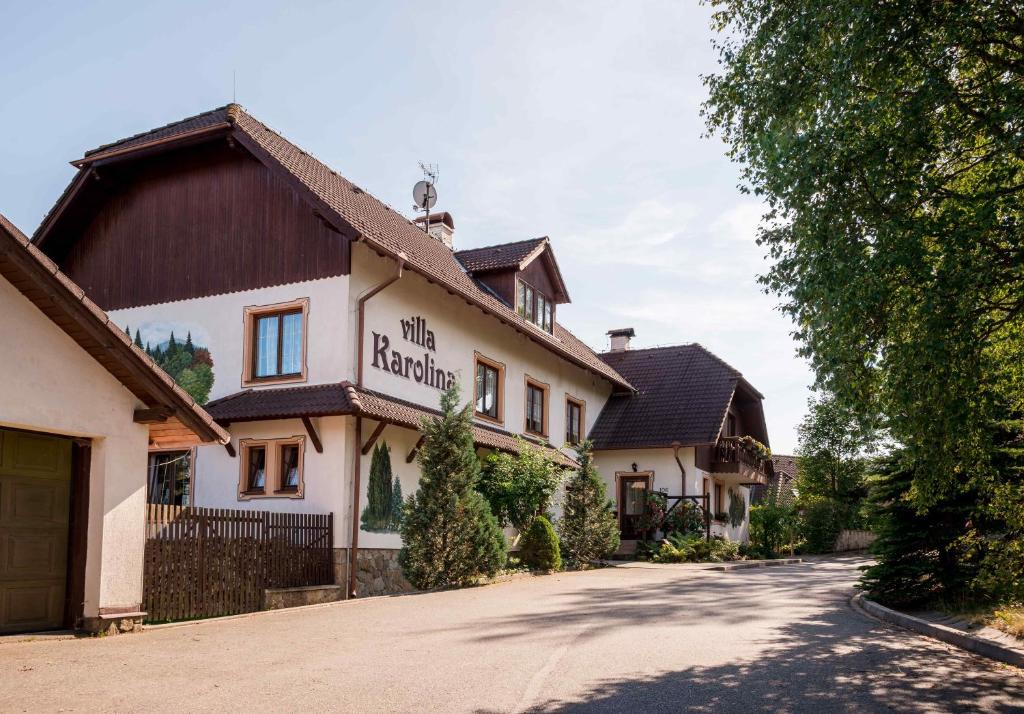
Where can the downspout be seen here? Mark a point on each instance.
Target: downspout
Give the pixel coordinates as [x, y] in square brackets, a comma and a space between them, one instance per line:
[682, 471]
[360, 309]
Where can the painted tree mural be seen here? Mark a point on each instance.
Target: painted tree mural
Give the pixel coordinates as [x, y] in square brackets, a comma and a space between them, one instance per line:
[188, 365]
[383, 512]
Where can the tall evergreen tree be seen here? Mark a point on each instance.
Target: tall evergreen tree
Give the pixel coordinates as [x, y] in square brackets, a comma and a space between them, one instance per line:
[450, 536]
[172, 346]
[189, 347]
[588, 528]
[138, 338]
[397, 504]
[377, 514]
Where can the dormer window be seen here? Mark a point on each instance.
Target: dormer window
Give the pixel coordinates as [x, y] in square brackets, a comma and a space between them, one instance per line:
[535, 307]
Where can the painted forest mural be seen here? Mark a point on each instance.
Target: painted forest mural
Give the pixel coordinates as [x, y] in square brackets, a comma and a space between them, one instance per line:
[188, 364]
[383, 512]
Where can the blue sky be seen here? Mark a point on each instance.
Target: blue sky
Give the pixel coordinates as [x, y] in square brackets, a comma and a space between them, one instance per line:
[579, 121]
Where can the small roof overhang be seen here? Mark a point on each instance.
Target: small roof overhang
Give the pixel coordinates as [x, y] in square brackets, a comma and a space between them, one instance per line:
[344, 398]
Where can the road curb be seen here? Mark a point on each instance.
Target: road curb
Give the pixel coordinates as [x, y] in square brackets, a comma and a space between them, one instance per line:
[949, 635]
[744, 564]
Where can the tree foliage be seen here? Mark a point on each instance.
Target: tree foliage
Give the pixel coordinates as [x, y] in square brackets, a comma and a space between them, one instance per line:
[588, 527]
[448, 532]
[540, 549]
[885, 139]
[519, 487]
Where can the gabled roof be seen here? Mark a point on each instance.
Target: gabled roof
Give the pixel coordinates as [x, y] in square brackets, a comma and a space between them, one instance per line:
[505, 256]
[683, 394]
[515, 256]
[61, 300]
[349, 208]
[344, 398]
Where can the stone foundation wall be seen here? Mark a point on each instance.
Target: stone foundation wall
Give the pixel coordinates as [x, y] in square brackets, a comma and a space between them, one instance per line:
[106, 625]
[378, 573]
[279, 598]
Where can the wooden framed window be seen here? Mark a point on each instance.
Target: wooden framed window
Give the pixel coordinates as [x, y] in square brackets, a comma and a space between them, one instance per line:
[275, 343]
[730, 425]
[719, 499]
[170, 477]
[271, 467]
[575, 419]
[534, 306]
[536, 407]
[489, 389]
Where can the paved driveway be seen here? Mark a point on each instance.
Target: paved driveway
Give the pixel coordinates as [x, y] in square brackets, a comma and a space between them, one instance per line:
[639, 638]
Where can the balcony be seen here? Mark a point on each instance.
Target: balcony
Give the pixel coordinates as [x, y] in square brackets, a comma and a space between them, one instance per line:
[740, 458]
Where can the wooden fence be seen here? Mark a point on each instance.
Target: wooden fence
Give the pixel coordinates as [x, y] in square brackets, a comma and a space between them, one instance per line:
[205, 562]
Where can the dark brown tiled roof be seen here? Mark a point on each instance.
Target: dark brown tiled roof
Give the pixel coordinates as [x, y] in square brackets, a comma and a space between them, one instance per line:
[499, 257]
[183, 126]
[781, 484]
[60, 299]
[383, 229]
[785, 464]
[344, 398]
[683, 393]
[281, 403]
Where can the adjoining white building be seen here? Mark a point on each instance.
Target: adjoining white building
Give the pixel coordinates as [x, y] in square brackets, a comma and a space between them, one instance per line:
[79, 408]
[329, 325]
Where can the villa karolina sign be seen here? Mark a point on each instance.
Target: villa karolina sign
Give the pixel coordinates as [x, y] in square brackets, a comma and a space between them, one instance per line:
[422, 370]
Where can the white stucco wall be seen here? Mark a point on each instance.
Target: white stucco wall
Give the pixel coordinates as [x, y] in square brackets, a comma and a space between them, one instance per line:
[460, 330]
[49, 384]
[217, 322]
[668, 479]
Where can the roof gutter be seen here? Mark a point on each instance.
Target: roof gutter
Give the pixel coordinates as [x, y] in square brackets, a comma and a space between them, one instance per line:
[357, 465]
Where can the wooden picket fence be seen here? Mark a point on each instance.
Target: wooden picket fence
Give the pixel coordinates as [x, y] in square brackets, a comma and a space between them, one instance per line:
[206, 562]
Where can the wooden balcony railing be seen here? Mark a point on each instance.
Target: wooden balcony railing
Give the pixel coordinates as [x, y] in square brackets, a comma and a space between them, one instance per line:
[733, 455]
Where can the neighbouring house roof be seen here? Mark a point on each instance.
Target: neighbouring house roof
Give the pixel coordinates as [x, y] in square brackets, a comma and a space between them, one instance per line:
[781, 483]
[683, 394]
[355, 212]
[344, 398]
[37, 278]
[785, 465]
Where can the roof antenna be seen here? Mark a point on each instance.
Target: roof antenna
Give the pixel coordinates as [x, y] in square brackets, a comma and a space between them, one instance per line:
[424, 193]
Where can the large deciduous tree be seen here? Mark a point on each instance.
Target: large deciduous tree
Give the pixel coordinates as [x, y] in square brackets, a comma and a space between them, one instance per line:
[887, 140]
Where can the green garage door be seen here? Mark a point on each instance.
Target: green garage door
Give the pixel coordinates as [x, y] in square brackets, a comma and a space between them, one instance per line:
[35, 481]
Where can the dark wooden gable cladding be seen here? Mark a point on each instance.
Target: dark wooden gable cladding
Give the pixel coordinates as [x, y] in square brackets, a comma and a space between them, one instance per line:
[503, 283]
[198, 221]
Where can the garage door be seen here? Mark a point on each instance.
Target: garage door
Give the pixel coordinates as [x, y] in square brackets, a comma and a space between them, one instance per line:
[35, 480]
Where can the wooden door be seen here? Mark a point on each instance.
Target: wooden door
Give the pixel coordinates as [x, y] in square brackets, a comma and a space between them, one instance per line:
[632, 502]
[35, 480]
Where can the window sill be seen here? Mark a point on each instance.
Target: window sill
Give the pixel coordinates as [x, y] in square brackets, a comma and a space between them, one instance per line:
[283, 379]
[489, 419]
[293, 493]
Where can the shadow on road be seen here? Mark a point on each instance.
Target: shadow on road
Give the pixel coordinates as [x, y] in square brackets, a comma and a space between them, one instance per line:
[832, 659]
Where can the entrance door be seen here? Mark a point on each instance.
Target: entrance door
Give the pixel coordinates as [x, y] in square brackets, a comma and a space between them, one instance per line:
[35, 485]
[632, 501]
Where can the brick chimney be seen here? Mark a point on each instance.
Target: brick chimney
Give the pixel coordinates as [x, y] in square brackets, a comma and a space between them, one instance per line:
[442, 227]
[621, 338]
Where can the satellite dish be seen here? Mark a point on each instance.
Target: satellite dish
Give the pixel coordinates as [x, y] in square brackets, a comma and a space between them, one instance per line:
[424, 194]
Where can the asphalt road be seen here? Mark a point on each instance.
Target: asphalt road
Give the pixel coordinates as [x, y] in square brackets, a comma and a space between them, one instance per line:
[632, 639]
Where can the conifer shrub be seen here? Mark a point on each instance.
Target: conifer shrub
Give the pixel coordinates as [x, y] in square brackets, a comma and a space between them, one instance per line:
[588, 528]
[450, 537]
[540, 547]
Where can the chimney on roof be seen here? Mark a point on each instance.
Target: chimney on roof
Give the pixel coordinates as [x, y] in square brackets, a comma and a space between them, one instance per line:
[621, 338]
[441, 226]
